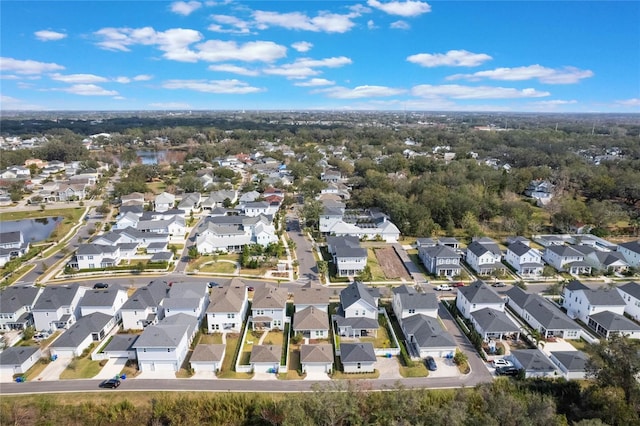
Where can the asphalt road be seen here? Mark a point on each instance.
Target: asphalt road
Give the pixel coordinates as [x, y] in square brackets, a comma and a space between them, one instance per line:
[304, 251]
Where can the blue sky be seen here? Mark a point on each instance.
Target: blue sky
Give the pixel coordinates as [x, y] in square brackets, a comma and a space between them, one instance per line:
[334, 55]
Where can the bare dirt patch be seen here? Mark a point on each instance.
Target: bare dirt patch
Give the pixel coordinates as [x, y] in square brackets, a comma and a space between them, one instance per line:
[391, 264]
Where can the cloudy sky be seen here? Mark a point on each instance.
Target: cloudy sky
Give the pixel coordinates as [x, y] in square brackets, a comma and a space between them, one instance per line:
[352, 55]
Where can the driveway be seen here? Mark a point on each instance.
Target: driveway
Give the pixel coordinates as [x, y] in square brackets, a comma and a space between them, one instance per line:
[446, 368]
[557, 346]
[113, 367]
[264, 376]
[388, 367]
[54, 369]
[206, 375]
[317, 376]
[156, 375]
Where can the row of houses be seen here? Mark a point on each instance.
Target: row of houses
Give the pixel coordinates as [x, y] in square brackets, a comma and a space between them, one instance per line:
[12, 245]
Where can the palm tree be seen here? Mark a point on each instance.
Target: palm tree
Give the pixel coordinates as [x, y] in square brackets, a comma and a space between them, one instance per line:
[537, 337]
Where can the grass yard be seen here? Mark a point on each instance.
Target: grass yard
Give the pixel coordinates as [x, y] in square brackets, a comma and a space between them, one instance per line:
[274, 338]
[382, 339]
[417, 370]
[376, 270]
[81, 368]
[196, 263]
[156, 187]
[210, 339]
[294, 365]
[37, 369]
[227, 372]
[259, 272]
[218, 268]
[580, 345]
[252, 338]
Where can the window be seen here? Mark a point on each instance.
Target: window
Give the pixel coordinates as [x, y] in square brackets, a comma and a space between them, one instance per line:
[412, 311]
[359, 365]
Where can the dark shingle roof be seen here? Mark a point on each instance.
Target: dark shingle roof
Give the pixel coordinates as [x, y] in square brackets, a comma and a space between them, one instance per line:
[518, 248]
[572, 360]
[79, 331]
[632, 288]
[479, 292]
[427, 331]
[612, 321]
[357, 352]
[16, 355]
[491, 320]
[533, 360]
[357, 291]
[15, 297]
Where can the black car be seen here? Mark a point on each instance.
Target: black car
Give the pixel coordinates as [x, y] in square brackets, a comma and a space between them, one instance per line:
[212, 284]
[507, 371]
[111, 383]
[101, 285]
[431, 363]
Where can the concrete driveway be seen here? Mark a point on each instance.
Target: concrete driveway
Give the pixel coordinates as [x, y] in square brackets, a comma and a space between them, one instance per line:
[317, 376]
[388, 367]
[446, 368]
[205, 375]
[54, 369]
[264, 376]
[156, 375]
[557, 346]
[113, 367]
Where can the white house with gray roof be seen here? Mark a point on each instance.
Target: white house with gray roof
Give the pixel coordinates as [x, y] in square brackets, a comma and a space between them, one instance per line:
[312, 323]
[357, 314]
[533, 361]
[93, 256]
[12, 245]
[57, 307]
[108, 301]
[630, 293]
[440, 260]
[407, 302]
[426, 337]
[566, 259]
[581, 302]
[17, 360]
[607, 323]
[493, 324]
[207, 357]
[265, 358]
[484, 257]
[348, 257]
[541, 315]
[478, 296]
[232, 233]
[526, 260]
[91, 328]
[164, 347]
[316, 358]
[631, 252]
[121, 346]
[16, 303]
[269, 308]
[572, 364]
[227, 308]
[186, 298]
[144, 307]
[164, 202]
[357, 357]
[314, 295]
[190, 202]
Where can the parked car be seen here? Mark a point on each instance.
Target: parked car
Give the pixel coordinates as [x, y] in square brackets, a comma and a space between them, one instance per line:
[498, 284]
[502, 363]
[507, 371]
[40, 336]
[459, 284]
[444, 287]
[431, 363]
[100, 285]
[212, 284]
[110, 383]
[250, 288]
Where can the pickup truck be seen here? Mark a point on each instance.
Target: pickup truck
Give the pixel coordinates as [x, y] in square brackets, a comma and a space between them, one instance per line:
[444, 287]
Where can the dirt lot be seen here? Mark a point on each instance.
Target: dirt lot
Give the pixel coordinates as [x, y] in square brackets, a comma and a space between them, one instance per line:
[391, 264]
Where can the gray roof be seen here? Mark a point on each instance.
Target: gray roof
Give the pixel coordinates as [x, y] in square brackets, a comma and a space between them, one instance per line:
[604, 297]
[144, 297]
[564, 251]
[315, 295]
[95, 249]
[157, 245]
[270, 297]
[16, 355]
[358, 323]
[121, 342]
[418, 300]
[612, 321]
[358, 291]
[55, 296]
[572, 360]
[161, 256]
[533, 360]
[266, 353]
[403, 289]
[10, 237]
[79, 331]
[494, 321]
[479, 292]
[357, 352]
[97, 297]
[479, 248]
[632, 288]
[311, 318]
[316, 354]
[227, 299]
[427, 332]
[448, 240]
[181, 303]
[519, 248]
[633, 246]
[439, 251]
[181, 319]
[346, 246]
[188, 289]
[549, 316]
[14, 297]
[161, 336]
[204, 353]
[576, 285]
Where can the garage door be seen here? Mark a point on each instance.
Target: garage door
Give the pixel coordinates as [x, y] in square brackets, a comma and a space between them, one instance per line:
[314, 368]
[61, 353]
[165, 366]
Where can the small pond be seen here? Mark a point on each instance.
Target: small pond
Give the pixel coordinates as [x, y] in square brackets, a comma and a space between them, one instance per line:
[33, 230]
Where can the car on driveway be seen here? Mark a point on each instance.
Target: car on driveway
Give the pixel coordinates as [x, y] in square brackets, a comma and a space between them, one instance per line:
[507, 371]
[110, 383]
[444, 287]
[431, 363]
[502, 363]
[498, 284]
[212, 284]
[100, 285]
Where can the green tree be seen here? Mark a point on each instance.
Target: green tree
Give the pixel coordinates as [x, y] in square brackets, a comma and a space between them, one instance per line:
[193, 252]
[323, 267]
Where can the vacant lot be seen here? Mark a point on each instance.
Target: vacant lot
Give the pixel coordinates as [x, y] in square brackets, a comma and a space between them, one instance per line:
[391, 264]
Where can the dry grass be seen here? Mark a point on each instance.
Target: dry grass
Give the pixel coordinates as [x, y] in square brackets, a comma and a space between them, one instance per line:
[211, 339]
[376, 270]
[218, 268]
[81, 368]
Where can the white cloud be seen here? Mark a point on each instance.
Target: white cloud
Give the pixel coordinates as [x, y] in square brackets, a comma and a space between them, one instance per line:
[119, 98]
[170, 105]
[213, 86]
[9, 103]
[453, 58]
[323, 22]
[185, 8]
[78, 78]
[305, 67]
[302, 46]
[253, 51]
[400, 25]
[371, 25]
[474, 92]
[555, 102]
[142, 77]
[88, 90]
[233, 69]
[122, 80]
[238, 25]
[629, 102]
[27, 66]
[566, 75]
[406, 9]
[359, 92]
[46, 35]
[315, 82]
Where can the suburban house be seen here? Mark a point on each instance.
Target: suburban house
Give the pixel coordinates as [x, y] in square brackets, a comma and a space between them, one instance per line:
[581, 302]
[12, 245]
[363, 224]
[232, 233]
[108, 301]
[190, 203]
[164, 347]
[164, 202]
[541, 315]
[316, 358]
[57, 307]
[16, 303]
[256, 208]
[525, 260]
[630, 293]
[440, 260]
[493, 324]
[133, 199]
[87, 330]
[144, 307]
[269, 308]
[407, 302]
[566, 259]
[484, 257]
[217, 199]
[607, 323]
[606, 261]
[265, 358]
[357, 357]
[311, 323]
[348, 257]
[534, 363]
[426, 337]
[121, 346]
[227, 308]
[207, 357]
[315, 296]
[540, 190]
[572, 364]
[357, 314]
[18, 360]
[95, 256]
[631, 252]
[478, 296]
[186, 298]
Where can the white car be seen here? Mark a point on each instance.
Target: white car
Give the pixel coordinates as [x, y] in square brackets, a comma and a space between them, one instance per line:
[444, 287]
[502, 363]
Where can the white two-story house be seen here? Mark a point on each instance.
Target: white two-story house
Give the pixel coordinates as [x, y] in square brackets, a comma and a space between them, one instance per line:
[92, 256]
[484, 257]
[16, 302]
[228, 308]
[144, 307]
[525, 260]
[581, 302]
[269, 308]
[440, 260]
[357, 314]
[478, 296]
[566, 258]
[57, 307]
[407, 302]
[630, 293]
[631, 252]
[349, 258]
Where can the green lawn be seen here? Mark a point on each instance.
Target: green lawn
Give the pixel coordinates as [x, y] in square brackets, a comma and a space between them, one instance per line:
[417, 370]
[81, 368]
[580, 345]
[37, 368]
[219, 268]
[227, 370]
[274, 338]
[211, 339]
[372, 262]
[294, 364]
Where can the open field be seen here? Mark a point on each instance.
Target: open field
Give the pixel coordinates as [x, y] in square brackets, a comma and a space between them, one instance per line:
[391, 264]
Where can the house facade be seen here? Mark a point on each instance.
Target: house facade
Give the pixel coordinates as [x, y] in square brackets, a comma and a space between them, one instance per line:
[440, 260]
[484, 257]
[268, 310]
[57, 307]
[581, 302]
[478, 296]
[525, 260]
[566, 259]
[227, 309]
[16, 303]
